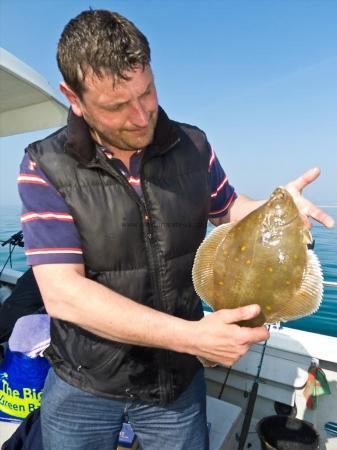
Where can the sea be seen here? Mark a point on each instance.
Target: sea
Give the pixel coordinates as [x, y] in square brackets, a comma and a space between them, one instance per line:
[324, 321]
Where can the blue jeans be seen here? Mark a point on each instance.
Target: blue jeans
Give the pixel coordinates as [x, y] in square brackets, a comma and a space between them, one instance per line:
[74, 419]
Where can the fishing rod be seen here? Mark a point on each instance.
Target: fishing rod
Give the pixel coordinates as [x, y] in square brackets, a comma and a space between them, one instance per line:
[16, 240]
[251, 402]
[253, 392]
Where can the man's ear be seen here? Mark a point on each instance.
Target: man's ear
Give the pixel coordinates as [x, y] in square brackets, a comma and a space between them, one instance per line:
[74, 101]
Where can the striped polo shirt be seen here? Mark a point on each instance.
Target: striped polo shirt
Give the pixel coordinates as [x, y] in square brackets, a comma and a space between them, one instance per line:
[49, 231]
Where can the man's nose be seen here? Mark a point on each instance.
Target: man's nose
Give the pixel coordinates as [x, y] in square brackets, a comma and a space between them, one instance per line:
[139, 116]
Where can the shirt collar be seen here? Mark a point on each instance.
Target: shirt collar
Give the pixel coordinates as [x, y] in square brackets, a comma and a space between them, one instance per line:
[82, 147]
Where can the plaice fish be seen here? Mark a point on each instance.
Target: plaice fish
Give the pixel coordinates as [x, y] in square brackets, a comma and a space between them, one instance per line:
[261, 259]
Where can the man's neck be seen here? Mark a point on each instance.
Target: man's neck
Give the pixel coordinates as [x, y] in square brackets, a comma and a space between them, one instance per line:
[123, 155]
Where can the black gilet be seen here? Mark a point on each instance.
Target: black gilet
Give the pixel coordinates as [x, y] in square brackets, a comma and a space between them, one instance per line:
[141, 248]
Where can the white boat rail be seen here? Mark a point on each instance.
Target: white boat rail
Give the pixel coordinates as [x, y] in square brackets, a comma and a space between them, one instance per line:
[330, 283]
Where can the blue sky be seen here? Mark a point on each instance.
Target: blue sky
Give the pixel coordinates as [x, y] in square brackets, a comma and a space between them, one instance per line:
[260, 77]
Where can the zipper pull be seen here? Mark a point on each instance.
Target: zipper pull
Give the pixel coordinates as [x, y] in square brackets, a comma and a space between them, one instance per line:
[147, 221]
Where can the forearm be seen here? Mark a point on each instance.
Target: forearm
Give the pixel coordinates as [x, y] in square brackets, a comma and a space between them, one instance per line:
[110, 315]
[240, 208]
[69, 296]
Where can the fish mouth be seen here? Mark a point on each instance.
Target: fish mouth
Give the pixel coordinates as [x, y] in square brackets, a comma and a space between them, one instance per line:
[284, 224]
[278, 222]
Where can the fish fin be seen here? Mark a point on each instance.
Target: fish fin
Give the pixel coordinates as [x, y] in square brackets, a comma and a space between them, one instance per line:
[202, 272]
[307, 236]
[308, 298]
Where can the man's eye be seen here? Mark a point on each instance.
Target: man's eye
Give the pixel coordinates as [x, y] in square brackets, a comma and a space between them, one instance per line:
[148, 92]
[115, 108]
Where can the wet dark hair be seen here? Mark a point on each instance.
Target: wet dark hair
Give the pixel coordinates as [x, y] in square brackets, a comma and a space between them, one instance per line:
[103, 42]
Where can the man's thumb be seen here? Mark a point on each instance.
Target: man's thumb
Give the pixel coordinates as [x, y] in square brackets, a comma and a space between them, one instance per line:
[242, 313]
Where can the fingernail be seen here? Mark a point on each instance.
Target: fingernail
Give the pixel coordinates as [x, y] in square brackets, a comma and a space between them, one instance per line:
[254, 309]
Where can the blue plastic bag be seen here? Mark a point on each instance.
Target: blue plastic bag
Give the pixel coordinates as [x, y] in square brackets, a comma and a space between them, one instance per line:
[21, 383]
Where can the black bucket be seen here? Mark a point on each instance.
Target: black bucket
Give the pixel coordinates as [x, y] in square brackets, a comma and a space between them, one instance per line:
[287, 433]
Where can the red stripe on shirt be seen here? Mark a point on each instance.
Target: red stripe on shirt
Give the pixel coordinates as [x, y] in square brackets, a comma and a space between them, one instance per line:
[212, 159]
[229, 201]
[218, 189]
[28, 178]
[133, 180]
[48, 251]
[48, 215]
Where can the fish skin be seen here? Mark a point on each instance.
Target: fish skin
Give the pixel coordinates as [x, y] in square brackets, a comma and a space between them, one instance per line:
[261, 259]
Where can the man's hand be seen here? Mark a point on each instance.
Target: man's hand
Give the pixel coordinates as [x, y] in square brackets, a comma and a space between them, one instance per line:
[306, 208]
[219, 339]
[243, 205]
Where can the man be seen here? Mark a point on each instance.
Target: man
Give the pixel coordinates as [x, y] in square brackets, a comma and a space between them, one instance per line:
[115, 207]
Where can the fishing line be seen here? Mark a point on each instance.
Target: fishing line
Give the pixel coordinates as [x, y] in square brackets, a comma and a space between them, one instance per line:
[225, 382]
[11, 250]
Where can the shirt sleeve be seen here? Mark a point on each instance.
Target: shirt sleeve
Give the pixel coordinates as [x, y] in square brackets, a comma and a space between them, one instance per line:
[50, 234]
[222, 193]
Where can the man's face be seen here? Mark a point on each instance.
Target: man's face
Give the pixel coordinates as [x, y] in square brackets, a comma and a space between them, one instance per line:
[123, 114]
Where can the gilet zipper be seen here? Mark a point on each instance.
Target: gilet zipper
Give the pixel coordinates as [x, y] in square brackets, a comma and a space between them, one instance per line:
[165, 380]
